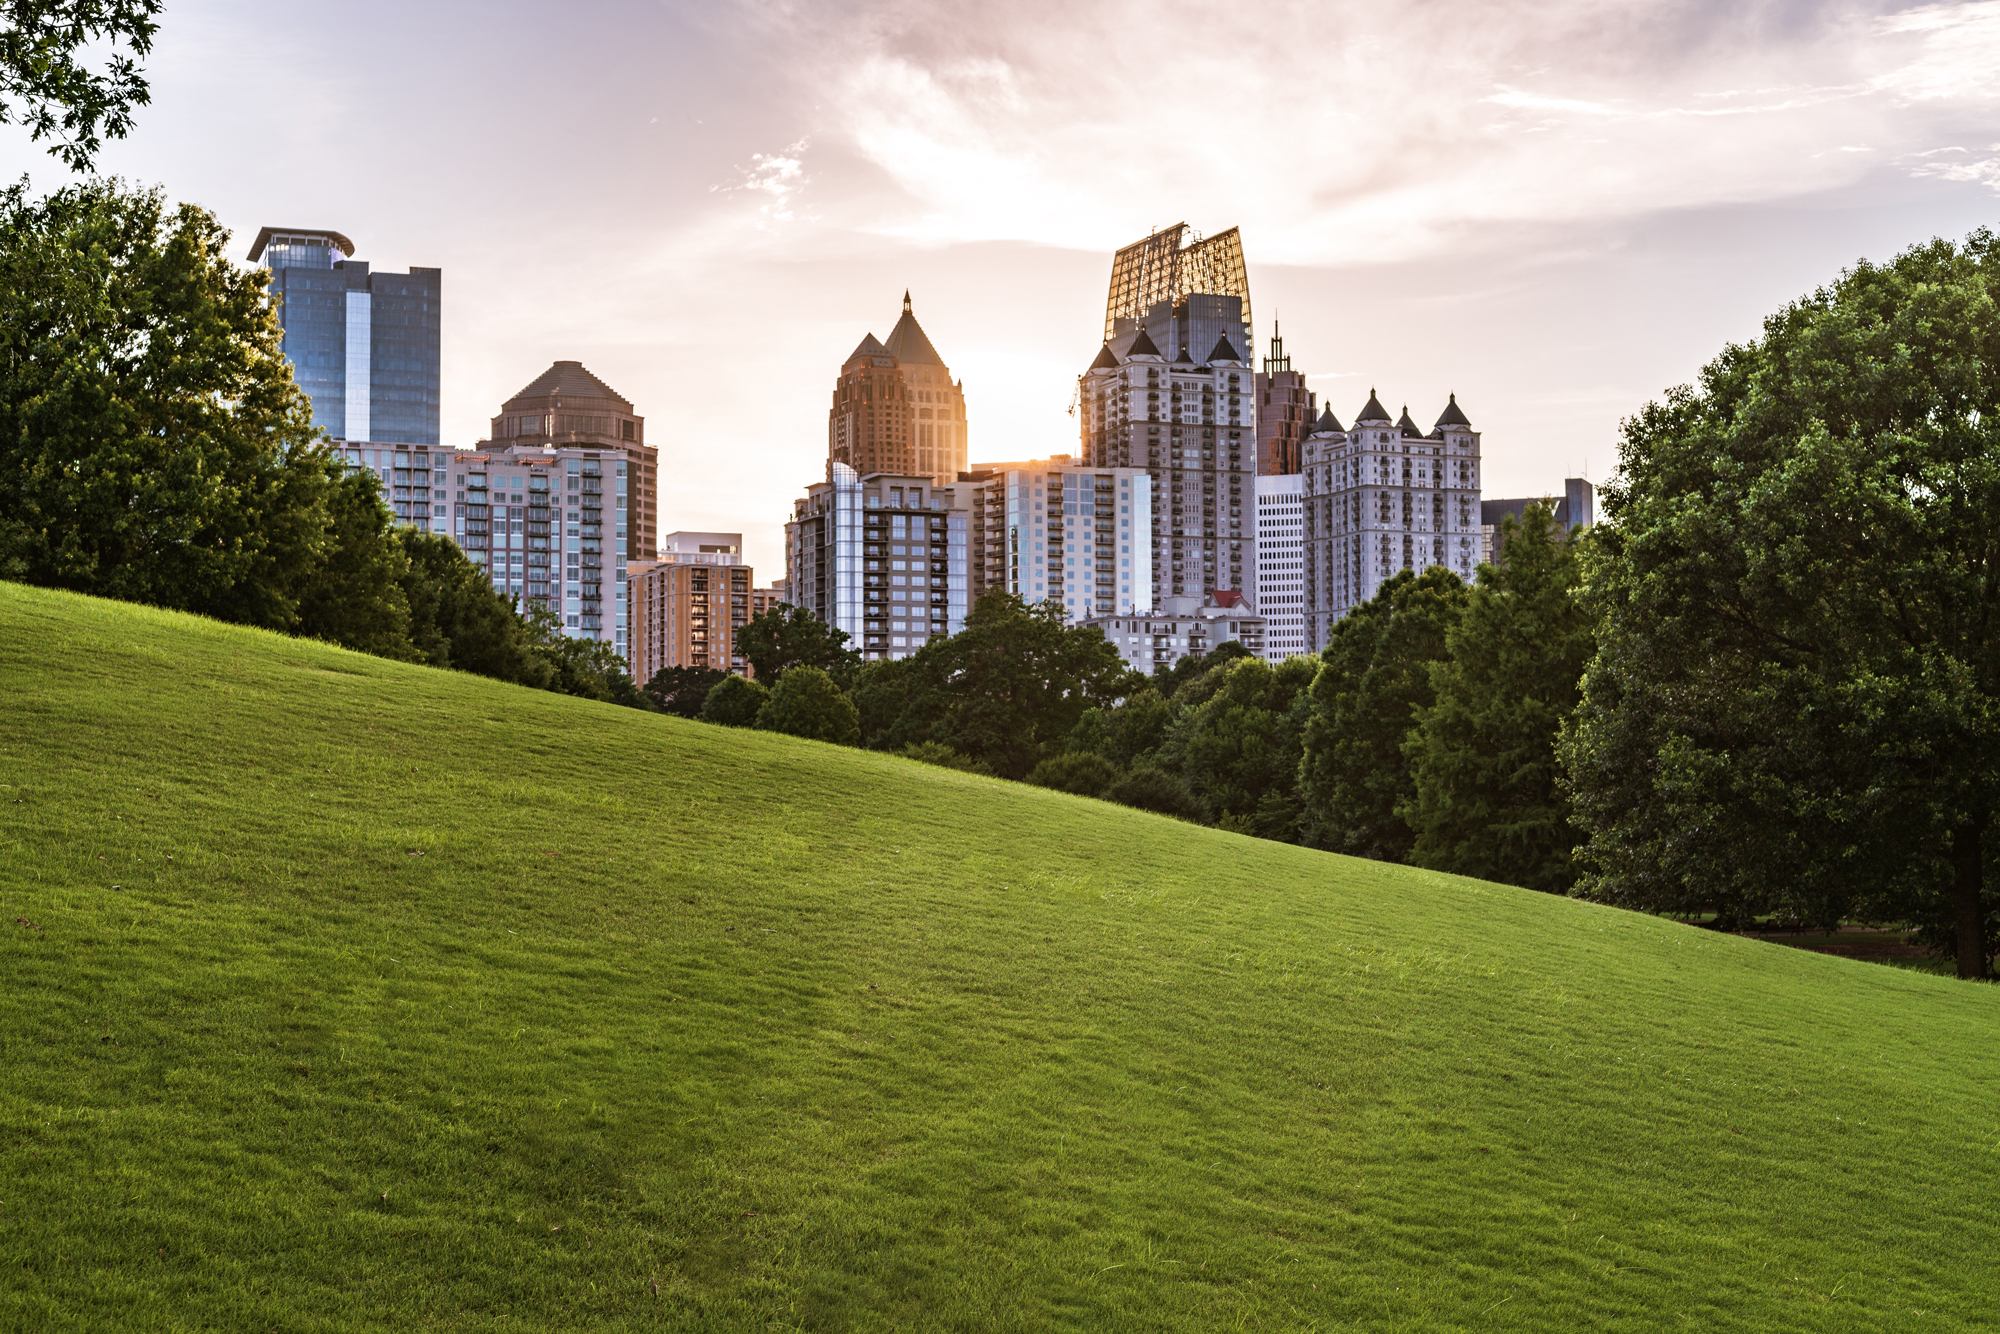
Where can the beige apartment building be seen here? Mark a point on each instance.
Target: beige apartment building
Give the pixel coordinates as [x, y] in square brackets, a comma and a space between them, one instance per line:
[566, 407]
[687, 606]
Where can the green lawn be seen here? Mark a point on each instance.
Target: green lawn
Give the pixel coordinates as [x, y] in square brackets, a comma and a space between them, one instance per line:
[364, 996]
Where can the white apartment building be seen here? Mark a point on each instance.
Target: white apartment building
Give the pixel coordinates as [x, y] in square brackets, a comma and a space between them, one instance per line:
[1384, 497]
[1180, 627]
[882, 557]
[1054, 530]
[1280, 592]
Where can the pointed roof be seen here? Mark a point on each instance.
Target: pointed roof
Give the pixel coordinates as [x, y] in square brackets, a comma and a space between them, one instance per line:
[1372, 410]
[568, 379]
[1328, 424]
[1106, 360]
[868, 347]
[907, 343]
[1223, 351]
[1405, 425]
[1142, 346]
[1184, 359]
[1453, 415]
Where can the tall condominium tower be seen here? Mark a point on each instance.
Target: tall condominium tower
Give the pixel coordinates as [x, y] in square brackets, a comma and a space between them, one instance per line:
[567, 407]
[1054, 530]
[1286, 410]
[1281, 564]
[896, 408]
[882, 557]
[363, 346]
[1384, 497]
[1183, 291]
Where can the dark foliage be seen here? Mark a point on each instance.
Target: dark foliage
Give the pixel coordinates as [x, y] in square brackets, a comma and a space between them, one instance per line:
[45, 86]
[1079, 773]
[785, 637]
[734, 701]
[806, 703]
[682, 690]
[1151, 788]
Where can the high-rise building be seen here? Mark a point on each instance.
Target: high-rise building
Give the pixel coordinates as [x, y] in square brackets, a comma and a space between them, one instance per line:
[896, 408]
[566, 407]
[687, 606]
[1286, 410]
[413, 490]
[1153, 281]
[363, 346]
[1385, 497]
[1189, 425]
[539, 520]
[882, 557]
[1054, 530]
[1183, 627]
[1575, 508]
[1280, 596]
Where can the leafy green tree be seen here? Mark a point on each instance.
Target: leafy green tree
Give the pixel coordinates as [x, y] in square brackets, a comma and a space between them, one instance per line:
[45, 86]
[1127, 733]
[1795, 703]
[1488, 800]
[153, 447]
[1008, 689]
[735, 701]
[1375, 675]
[806, 703]
[1240, 745]
[1078, 772]
[459, 620]
[683, 690]
[587, 668]
[898, 702]
[1151, 788]
[785, 637]
[356, 594]
[1169, 681]
[944, 757]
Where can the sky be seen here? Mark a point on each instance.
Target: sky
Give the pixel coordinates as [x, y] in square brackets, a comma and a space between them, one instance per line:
[1556, 210]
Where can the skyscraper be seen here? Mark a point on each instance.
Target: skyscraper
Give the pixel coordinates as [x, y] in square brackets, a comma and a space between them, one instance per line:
[363, 346]
[896, 408]
[1183, 291]
[882, 557]
[1385, 497]
[568, 407]
[1286, 410]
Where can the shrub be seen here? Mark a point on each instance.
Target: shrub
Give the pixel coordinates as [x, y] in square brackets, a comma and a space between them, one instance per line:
[943, 756]
[1084, 774]
[806, 703]
[734, 701]
[1154, 789]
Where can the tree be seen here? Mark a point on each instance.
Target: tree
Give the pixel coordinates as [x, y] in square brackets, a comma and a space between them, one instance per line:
[735, 701]
[683, 690]
[775, 641]
[806, 703]
[1795, 702]
[1375, 676]
[153, 447]
[1128, 733]
[44, 86]
[1239, 744]
[459, 620]
[1487, 798]
[1151, 788]
[1009, 687]
[355, 594]
[1169, 681]
[587, 668]
[1080, 773]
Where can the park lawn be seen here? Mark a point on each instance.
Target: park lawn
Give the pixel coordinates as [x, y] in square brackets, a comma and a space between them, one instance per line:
[340, 994]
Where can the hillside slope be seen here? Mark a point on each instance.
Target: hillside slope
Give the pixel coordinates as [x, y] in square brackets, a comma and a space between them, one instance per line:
[340, 994]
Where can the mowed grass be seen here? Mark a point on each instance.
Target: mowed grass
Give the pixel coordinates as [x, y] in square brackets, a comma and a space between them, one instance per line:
[340, 994]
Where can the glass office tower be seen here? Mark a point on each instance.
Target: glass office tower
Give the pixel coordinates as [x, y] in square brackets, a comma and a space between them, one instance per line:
[364, 346]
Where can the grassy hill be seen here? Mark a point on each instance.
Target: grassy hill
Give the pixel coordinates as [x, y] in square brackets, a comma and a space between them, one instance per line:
[339, 994]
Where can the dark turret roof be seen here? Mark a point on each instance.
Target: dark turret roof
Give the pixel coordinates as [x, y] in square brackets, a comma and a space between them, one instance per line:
[1328, 424]
[868, 347]
[1184, 358]
[1223, 351]
[1372, 410]
[1453, 415]
[1142, 346]
[1106, 360]
[1405, 425]
[907, 343]
[568, 379]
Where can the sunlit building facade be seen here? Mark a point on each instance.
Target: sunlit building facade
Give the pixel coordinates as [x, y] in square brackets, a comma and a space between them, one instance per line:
[1055, 530]
[1286, 411]
[882, 557]
[896, 408]
[566, 407]
[1382, 497]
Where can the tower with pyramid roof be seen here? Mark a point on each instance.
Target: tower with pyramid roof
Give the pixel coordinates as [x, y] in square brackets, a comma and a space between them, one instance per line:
[897, 409]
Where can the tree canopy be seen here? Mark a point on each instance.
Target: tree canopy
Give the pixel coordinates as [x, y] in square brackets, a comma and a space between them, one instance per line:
[47, 84]
[1795, 703]
[775, 641]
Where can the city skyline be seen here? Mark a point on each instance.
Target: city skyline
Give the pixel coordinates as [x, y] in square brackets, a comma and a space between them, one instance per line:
[1575, 215]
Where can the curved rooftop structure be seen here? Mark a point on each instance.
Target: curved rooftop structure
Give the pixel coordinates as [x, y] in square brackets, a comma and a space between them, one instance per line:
[304, 235]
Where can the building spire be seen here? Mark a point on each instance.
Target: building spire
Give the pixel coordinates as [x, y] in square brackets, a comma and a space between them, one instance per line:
[906, 300]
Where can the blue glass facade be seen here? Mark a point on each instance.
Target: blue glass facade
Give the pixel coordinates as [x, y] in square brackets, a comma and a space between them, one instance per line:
[363, 346]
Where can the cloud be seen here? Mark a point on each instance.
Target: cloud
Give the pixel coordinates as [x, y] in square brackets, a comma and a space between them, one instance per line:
[1370, 132]
[778, 177]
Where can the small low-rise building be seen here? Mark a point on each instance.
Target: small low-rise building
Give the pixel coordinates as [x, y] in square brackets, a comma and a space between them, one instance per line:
[687, 606]
[1182, 626]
